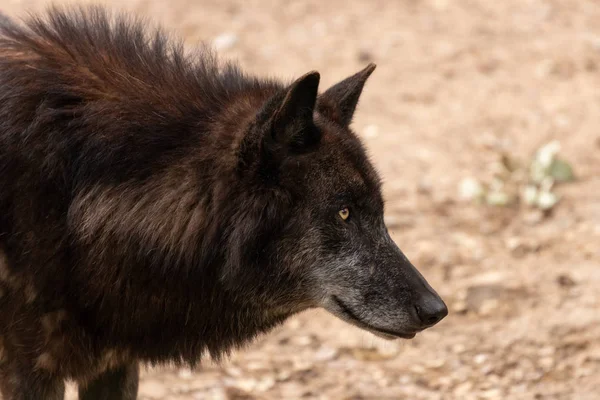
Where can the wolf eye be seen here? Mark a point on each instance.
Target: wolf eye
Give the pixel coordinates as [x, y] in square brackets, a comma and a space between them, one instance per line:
[344, 213]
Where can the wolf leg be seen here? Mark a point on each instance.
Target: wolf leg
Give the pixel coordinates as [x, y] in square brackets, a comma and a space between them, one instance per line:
[115, 384]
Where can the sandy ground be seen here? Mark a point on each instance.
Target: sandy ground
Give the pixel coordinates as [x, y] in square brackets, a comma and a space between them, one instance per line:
[456, 82]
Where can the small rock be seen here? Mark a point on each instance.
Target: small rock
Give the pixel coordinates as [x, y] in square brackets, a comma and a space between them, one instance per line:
[480, 358]
[326, 353]
[364, 56]
[565, 280]
[304, 340]
[436, 363]
[546, 154]
[417, 369]
[265, 384]
[470, 189]
[284, 376]
[489, 278]
[301, 365]
[546, 200]
[245, 384]
[487, 369]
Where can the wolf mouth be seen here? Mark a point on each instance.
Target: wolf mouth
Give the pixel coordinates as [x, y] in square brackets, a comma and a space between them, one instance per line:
[353, 318]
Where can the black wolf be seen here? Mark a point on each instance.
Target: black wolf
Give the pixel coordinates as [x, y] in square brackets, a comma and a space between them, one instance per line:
[158, 205]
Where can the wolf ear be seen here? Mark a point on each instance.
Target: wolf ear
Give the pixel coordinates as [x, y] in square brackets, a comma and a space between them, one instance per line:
[292, 123]
[342, 97]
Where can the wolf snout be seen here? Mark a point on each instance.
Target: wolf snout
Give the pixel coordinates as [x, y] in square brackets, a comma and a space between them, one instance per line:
[430, 309]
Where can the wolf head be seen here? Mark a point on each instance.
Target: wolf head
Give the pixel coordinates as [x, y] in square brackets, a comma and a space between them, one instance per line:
[317, 236]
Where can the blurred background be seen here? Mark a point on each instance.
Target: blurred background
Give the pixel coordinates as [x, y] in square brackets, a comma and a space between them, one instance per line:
[484, 119]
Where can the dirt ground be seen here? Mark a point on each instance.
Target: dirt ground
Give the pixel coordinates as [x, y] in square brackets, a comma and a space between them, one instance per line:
[456, 81]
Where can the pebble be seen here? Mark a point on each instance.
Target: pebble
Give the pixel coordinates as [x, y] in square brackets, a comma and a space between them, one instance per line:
[303, 340]
[480, 358]
[265, 384]
[565, 280]
[436, 363]
[364, 56]
[245, 384]
[326, 353]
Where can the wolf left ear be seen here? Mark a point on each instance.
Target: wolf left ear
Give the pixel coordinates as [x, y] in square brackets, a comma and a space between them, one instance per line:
[293, 118]
[284, 125]
[341, 99]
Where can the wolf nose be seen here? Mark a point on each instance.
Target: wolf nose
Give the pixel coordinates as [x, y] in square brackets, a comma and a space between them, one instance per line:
[431, 310]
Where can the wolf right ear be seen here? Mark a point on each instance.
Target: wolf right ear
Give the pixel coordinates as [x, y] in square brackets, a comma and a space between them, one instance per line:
[342, 98]
[292, 123]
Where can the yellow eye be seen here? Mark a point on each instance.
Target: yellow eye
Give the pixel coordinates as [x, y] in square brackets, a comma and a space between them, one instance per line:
[344, 213]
